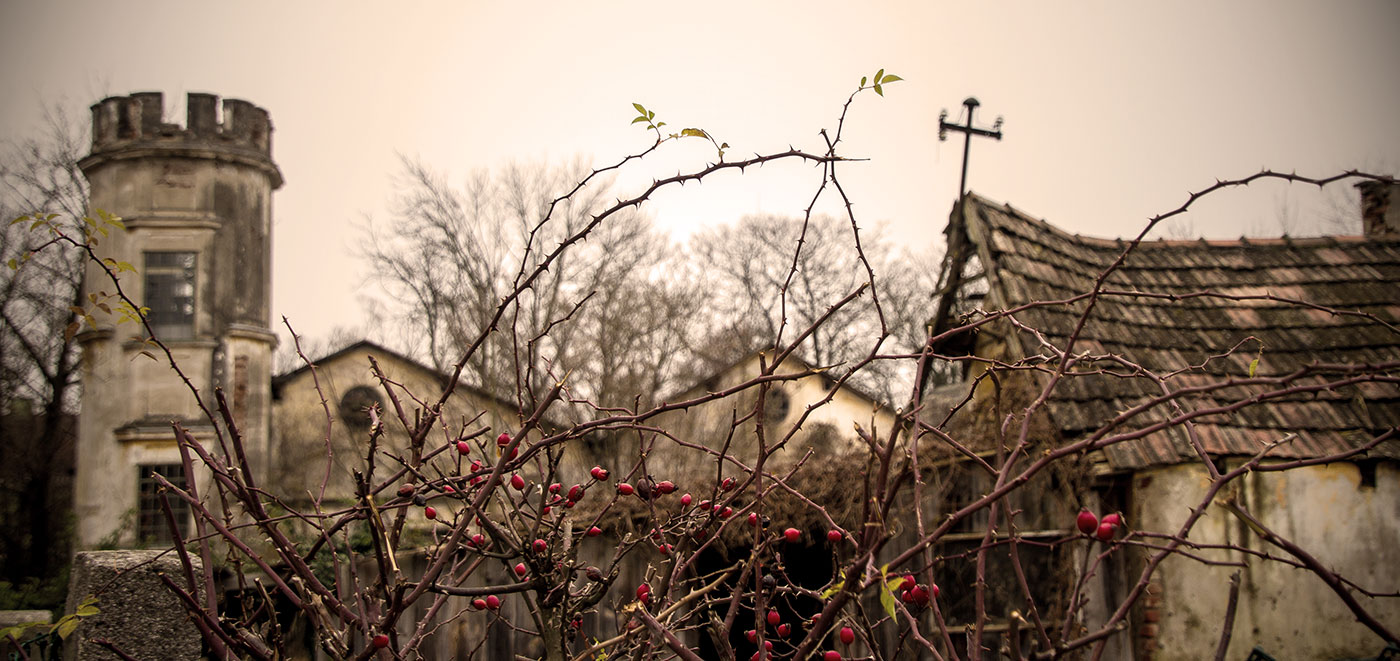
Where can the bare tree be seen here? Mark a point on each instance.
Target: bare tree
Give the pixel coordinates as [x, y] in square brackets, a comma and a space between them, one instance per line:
[38, 355]
[607, 313]
[770, 273]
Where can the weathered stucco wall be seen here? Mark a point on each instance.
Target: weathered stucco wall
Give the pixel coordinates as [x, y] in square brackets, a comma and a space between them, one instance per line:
[297, 454]
[828, 429]
[1288, 612]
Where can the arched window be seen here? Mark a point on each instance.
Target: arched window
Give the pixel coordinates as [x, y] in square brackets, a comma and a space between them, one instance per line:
[354, 406]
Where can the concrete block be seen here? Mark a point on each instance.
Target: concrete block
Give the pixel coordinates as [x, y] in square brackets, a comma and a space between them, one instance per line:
[136, 610]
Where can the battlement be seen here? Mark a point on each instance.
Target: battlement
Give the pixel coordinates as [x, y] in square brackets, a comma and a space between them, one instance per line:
[122, 121]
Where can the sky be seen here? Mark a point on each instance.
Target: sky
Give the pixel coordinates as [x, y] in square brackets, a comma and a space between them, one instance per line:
[1113, 112]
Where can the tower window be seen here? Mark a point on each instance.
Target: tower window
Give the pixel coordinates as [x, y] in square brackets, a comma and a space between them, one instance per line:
[170, 294]
[151, 526]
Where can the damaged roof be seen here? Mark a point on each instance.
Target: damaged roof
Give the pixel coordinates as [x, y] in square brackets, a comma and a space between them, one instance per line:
[1186, 304]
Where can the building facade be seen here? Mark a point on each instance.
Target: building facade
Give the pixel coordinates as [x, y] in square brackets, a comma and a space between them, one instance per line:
[197, 201]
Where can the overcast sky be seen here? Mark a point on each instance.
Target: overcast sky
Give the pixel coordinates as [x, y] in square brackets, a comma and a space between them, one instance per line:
[1112, 112]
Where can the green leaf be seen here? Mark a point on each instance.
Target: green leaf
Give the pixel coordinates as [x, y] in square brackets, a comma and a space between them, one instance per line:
[836, 587]
[1253, 365]
[694, 133]
[66, 626]
[862, 81]
[878, 75]
[878, 90]
[14, 266]
[639, 119]
[890, 79]
[639, 108]
[887, 601]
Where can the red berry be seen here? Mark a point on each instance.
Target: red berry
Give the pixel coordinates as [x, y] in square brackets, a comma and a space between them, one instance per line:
[599, 473]
[594, 531]
[540, 546]
[848, 636]
[405, 490]
[768, 645]
[478, 540]
[909, 582]
[665, 549]
[1087, 522]
[666, 486]
[753, 518]
[447, 488]
[429, 512]
[576, 492]
[644, 593]
[724, 513]
[784, 629]
[751, 635]
[727, 484]
[463, 447]
[493, 602]
[479, 604]
[380, 641]
[704, 504]
[792, 535]
[1115, 519]
[520, 569]
[517, 482]
[686, 500]
[554, 488]
[935, 590]
[774, 618]
[833, 535]
[625, 489]
[1106, 531]
[831, 655]
[503, 440]
[919, 595]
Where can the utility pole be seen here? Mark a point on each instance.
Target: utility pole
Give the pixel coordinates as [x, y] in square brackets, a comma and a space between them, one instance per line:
[968, 130]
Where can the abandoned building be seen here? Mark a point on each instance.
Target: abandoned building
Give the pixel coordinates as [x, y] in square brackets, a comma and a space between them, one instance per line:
[1196, 313]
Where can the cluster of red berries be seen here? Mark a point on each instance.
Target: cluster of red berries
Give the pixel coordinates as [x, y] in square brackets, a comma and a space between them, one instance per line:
[783, 629]
[1104, 529]
[910, 592]
[491, 602]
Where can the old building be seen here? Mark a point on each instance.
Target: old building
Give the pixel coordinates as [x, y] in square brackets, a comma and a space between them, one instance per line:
[1186, 316]
[301, 425]
[197, 201]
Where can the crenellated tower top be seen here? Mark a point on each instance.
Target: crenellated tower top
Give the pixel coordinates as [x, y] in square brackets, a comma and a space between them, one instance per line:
[134, 126]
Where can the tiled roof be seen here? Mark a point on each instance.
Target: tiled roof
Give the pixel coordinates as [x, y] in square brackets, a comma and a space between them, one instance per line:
[1030, 260]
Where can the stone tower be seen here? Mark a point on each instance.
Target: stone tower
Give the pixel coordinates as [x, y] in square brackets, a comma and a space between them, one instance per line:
[197, 203]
